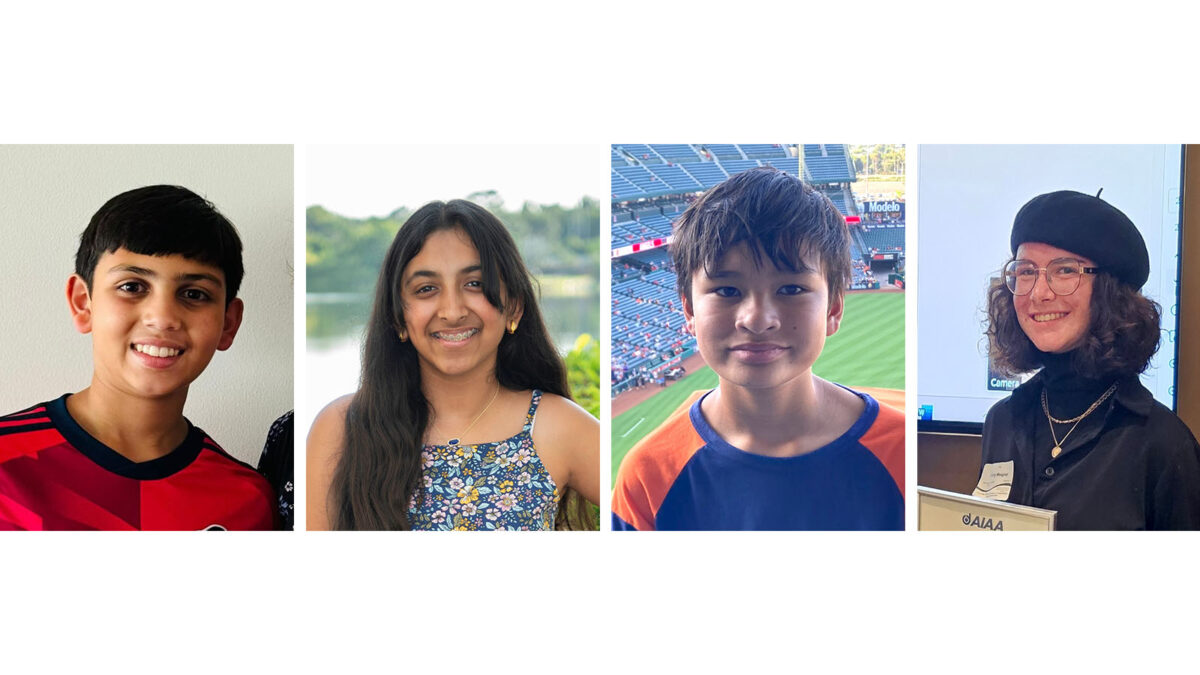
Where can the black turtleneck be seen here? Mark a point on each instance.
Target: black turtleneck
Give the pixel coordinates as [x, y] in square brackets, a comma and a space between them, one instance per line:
[1068, 395]
[1067, 392]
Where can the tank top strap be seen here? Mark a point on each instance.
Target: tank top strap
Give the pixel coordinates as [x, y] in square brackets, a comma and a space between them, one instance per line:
[533, 406]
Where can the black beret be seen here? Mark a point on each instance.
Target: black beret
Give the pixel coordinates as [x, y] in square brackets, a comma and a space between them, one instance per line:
[1087, 226]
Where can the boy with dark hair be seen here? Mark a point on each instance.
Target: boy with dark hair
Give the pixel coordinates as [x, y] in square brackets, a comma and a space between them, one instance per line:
[762, 261]
[155, 283]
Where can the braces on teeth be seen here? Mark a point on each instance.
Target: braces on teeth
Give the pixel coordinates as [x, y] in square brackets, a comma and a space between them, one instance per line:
[456, 337]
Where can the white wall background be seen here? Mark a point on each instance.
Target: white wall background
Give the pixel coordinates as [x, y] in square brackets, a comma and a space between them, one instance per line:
[47, 196]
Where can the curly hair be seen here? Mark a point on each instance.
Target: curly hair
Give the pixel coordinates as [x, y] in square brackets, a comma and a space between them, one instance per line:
[1123, 332]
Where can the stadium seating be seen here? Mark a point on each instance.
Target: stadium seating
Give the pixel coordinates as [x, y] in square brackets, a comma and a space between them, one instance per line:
[857, 244]
[640, 171]
[888, 239]
[724, 150]
[649, 224]
[647, 323]
[733, 166]
[708, 173]
[829, 169]
[622, 188]
[787, 164]
[861, 276]
[641, 177]
[657, 226]
[763, 150]
[855, 250]
[676, 178]
[839, 200]
[641, 152]
[827, 163]
[676, 153]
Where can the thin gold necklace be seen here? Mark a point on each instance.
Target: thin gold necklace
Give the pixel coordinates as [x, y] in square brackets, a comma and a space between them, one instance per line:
[1050, 419]
[455, 440]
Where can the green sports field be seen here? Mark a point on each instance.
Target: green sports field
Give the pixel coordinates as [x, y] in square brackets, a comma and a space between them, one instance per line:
[868, 351]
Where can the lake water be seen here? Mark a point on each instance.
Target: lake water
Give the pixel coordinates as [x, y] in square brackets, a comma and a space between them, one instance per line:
[334, 325]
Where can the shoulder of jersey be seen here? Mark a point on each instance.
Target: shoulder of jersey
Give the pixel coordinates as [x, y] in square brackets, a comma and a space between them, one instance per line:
[212, 446]
[885, 439]
[663, 453]
[32, 419]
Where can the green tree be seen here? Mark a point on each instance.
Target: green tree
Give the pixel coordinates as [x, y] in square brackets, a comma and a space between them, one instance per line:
[583, 373]
[343, 254]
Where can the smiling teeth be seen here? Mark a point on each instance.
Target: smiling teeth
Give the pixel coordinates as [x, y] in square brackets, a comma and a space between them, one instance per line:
[456, 337]
[161, 352]
[1049, 317]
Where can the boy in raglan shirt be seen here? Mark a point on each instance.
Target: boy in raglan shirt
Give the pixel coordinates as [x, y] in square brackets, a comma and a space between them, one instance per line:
[762, 261]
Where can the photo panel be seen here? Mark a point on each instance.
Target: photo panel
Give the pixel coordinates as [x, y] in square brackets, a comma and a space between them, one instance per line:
[1048, 353]
[832, 216]
[452, 291]
[153, 286]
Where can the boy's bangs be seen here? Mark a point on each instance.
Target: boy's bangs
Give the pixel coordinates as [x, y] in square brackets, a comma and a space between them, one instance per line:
[202, 244]
[789, 249]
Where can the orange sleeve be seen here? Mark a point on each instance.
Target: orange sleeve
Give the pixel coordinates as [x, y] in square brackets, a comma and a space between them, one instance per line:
[885, 439]
[650, 469]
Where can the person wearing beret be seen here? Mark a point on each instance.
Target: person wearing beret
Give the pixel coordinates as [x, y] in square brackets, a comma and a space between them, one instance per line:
[1083, 437]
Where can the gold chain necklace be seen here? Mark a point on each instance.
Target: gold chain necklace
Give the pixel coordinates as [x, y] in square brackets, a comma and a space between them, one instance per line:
[455, 440]
[1057, 450]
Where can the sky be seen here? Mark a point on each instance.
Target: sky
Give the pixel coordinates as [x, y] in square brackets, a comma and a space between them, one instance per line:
[360, 181]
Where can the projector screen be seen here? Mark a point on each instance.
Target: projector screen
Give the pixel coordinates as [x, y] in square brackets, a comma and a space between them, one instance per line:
[967, 198]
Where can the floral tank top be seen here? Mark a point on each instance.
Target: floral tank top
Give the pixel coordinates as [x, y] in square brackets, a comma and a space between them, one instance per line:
[487, 486]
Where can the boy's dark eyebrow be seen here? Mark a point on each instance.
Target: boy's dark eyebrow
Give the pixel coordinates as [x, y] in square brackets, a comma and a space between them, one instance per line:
[151, 274]
[199, 276]
[434, 275]
[133, 269]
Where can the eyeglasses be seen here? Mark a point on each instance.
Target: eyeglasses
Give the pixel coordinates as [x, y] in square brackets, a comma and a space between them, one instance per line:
[1062, 275]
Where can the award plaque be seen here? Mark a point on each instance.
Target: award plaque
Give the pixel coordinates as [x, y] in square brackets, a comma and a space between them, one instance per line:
[942, 510]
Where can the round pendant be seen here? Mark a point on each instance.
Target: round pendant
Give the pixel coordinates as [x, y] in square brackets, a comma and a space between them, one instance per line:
[454, 441]
[1056, 451]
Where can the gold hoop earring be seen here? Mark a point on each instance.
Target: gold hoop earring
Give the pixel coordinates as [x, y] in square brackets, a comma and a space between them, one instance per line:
[402, 335]
[512, 327]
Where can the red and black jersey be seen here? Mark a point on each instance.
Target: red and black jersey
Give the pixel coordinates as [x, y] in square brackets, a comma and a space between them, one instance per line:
[56, 476]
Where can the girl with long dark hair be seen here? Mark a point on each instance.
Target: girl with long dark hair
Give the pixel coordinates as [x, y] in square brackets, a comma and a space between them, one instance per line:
[1083, 437]
[463, 419]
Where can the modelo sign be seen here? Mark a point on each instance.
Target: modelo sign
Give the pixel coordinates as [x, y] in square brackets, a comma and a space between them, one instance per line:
[889, 207]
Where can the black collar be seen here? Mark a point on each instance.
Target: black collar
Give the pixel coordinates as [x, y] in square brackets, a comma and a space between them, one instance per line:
[1134, 396]
[170, 463]
[1130, 394]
